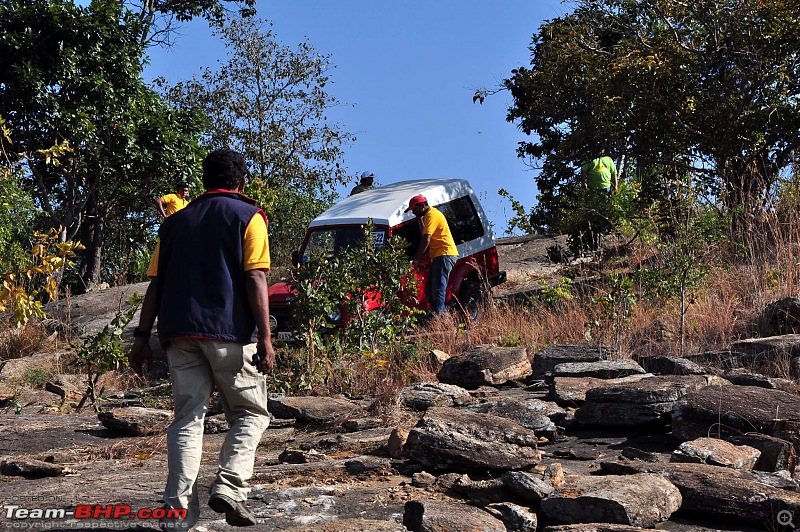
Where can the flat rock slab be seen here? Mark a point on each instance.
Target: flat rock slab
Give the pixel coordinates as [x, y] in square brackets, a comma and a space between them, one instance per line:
[545, 361]
[521, 412]
[640, 500]
[766, 354]
[448, 438]
[516, 518]
[486, 365]
[363, 441]
[16, 367]
[593, 527]
[602, 369]
[571, 391]
[646, 401]
[716, 452]
[29, 468]
[424, 395]
[776, 454]
[719, 491]
[135, 421]
[733, 410]
[321, 410]
[666, 365]
[431, 516]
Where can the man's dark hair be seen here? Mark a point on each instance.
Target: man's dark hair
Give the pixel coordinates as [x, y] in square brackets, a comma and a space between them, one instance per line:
[182, 184]
[223, 168]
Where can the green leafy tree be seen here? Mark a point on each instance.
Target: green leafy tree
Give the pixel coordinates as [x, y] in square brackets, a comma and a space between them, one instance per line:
[706, 88]
[70, 76]
[269, 102]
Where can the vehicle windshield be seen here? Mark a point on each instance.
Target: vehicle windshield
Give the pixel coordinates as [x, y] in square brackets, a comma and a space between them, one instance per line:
[330, 242]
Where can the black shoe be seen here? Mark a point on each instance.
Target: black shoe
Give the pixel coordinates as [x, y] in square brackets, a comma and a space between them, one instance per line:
[236, 513]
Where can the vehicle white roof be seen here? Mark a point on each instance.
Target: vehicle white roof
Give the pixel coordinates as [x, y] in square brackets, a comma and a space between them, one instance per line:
[385, 205]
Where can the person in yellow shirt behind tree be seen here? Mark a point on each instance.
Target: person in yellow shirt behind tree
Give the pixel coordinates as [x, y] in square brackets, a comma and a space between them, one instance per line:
[172, 203]
[438, 241]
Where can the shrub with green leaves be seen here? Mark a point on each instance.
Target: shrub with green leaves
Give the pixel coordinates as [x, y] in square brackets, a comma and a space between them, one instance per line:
[359, 301]
[104, 351]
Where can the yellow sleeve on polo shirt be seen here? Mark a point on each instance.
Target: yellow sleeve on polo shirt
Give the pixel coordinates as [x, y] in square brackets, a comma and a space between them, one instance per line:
[435, 224]
[255, 248]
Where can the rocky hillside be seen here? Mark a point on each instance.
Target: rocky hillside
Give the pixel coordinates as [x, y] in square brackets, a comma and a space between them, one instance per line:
[571, 437]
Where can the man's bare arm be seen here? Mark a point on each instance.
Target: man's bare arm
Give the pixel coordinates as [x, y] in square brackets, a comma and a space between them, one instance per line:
[424, 242]
[258, 297]
[160, 206]
[140, 350]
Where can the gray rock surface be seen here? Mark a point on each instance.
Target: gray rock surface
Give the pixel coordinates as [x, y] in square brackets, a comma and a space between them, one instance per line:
[545, 361]
[667, 365]
[602, 369]
[450, 438]
[321, 410]
[521, 412]
[776, 454]
[439, 516]
[135, 421]
[716, 452]
[719, 491]
[486, 365]
[641, 500]
[734, 410]
[424, 395]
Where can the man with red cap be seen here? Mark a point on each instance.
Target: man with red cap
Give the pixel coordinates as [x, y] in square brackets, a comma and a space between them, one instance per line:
[438, 242]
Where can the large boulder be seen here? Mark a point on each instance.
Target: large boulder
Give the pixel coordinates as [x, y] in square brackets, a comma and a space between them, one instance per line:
[571, 391]
[602, 369]
[424, 395]
[732, 410]
[448, 438]
[776, 454]
[780, 317]
[644, 402]
[548, 358]
[319, 410]
[521, 412]
[486, 365]
[135, 421]
[772, 355]
[639, 500]
[432, 516]
[719, 491]
[716, 452]
[666, 365]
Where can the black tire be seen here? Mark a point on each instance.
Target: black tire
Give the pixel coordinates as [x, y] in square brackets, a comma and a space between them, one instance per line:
[471, 299]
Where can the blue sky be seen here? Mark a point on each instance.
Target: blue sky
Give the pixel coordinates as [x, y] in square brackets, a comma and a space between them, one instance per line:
[405, 73]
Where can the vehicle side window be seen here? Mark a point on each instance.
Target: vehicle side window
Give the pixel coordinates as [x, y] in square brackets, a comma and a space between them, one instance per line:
[463, 219]
[411, 232]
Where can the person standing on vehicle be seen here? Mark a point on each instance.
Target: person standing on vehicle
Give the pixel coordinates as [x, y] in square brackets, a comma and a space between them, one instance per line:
[209, 291]
[600, 173]
[364, 184]
[172, 203]
[438, 242]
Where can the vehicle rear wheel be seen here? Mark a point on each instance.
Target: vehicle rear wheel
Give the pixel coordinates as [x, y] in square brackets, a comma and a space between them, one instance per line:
[471, 299]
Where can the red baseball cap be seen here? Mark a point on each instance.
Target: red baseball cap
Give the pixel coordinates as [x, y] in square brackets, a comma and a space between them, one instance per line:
[416, 200]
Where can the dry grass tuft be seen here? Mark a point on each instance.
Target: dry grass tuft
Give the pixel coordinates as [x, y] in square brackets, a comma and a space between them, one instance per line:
[20, 342]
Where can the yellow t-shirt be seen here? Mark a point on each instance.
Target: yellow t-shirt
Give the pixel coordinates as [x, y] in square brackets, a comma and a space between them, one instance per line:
[435, 224]
[255, 248]
[173, 203]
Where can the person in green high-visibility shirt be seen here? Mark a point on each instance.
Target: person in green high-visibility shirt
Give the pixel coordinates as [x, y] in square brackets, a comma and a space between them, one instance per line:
[600, 174]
